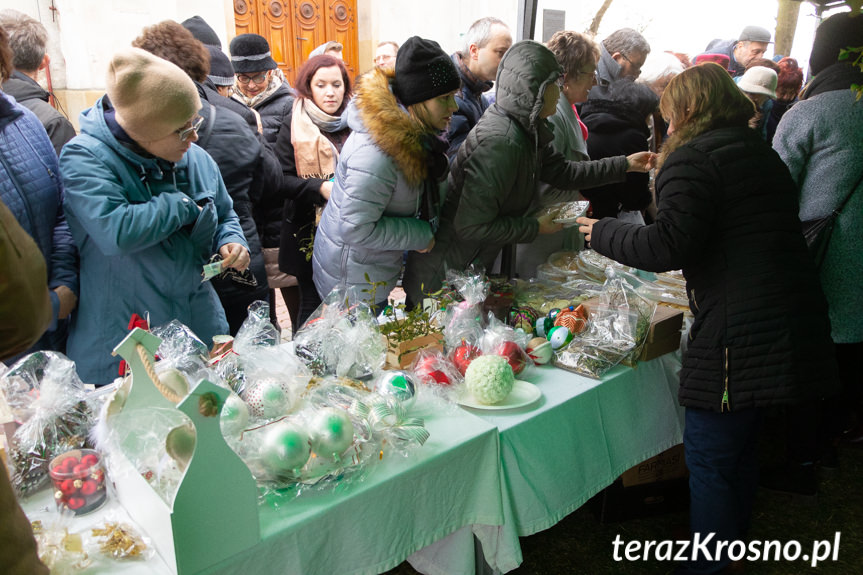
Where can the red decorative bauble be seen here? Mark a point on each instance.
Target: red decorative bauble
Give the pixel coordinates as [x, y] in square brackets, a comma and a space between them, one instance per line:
[90, 460]
[67, 487]
[513, 354]
[81, 470]
[426, 369]
[463, 355]
[89, 487]
[68, 464]
[75, 503]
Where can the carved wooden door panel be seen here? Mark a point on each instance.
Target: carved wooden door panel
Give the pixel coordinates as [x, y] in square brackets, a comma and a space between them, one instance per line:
[342, 27]
[272, 20]
[296, 27]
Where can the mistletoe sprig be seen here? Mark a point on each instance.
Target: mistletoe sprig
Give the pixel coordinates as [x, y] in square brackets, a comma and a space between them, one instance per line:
[402, 324]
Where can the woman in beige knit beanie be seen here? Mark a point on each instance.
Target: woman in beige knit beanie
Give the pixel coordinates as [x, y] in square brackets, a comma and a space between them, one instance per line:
[147, 209]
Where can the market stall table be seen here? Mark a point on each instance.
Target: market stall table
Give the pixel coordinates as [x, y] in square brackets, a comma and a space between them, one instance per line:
[556, 454]
[402, 505]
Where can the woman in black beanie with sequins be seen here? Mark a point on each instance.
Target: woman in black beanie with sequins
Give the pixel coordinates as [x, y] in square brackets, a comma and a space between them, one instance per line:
[386, 191]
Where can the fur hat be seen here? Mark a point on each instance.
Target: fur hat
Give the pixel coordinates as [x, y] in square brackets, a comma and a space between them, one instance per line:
[759, 80]
[755, 34]
[152, 96]
[423, 71]
[839, 31]
[221, 70]
[251, 53]
[202, 31]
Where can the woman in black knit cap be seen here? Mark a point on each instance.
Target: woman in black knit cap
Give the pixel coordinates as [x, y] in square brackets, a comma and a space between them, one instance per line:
[386, 190]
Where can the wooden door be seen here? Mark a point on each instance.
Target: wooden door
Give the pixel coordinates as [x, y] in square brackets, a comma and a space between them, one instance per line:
[296, 27]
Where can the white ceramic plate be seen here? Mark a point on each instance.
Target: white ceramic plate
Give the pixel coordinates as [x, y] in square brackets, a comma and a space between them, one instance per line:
[523, 393]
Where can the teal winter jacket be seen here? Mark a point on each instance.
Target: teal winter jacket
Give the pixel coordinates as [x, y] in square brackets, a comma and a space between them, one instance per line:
[143, 241]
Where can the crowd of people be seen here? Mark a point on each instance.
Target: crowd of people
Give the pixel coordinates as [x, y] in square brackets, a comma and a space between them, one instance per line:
[433, 161]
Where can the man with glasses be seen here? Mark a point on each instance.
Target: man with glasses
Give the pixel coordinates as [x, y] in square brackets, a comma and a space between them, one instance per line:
[147, 209]
[622, 54]
[385, 55]
[751, 44]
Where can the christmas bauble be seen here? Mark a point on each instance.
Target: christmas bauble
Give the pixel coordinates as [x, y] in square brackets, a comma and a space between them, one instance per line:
[463, 355]
[539, 350]
[427, 370]
[523, 318]
[552, 314]
[268, 398]
[543, 325]
[513, 354]
[559, 336]
[331, 432]
[285, 447]
[399, 385]
[235, 416]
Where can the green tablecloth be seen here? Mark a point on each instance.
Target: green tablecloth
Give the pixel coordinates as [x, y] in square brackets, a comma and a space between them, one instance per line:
[490, 475]
[557, 454]
[401, 506]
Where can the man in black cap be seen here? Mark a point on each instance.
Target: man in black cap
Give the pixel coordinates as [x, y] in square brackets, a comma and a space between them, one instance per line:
[751, 44]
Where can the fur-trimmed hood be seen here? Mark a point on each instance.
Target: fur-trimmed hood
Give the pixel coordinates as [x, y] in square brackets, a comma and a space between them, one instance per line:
[376, 111]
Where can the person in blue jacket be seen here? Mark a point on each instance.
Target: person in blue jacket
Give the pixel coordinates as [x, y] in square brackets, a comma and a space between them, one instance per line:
[31, 188]
[147, 209]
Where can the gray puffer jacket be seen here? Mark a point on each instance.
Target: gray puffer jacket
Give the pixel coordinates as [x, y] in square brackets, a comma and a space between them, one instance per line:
[494, 177]
[372, 216]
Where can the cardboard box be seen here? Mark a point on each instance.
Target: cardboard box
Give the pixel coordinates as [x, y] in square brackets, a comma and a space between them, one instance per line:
[670, 464]
[400, 355]
[657, 347]
[667, 322]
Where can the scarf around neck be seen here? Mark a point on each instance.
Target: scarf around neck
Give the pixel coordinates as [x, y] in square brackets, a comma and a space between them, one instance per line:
[275, 83]
[314, 154]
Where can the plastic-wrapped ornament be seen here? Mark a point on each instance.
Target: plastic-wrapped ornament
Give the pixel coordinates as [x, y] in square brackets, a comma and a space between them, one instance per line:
[428, 371]
[285, 448]
[331, 432]
[552, 314]
[543, 326]
[398, 385]
[539, 350]
[235, 416]
[267, 398]
[513, 354]
[559, 336]
[463, 355]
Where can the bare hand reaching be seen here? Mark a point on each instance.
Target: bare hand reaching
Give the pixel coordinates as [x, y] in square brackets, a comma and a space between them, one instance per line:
[585, 226]
[640, 162]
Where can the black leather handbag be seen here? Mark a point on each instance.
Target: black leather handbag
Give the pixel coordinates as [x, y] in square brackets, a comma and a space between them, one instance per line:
[818, 231]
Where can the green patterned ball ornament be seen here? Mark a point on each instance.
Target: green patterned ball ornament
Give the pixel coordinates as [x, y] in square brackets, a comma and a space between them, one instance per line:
[523, 318]
[559, 336]
[285, 448]
[543, 326]
[552, 314]
[399, 385]
[331, 432]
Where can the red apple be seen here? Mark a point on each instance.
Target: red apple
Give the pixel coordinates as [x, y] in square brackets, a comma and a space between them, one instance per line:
[514, 355]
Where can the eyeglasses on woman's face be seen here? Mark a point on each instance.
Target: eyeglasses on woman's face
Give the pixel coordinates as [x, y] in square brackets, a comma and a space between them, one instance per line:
[186, 132]
[256, 79]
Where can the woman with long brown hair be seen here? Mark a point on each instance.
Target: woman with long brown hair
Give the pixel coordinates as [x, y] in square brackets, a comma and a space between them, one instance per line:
[727, 216]
[308, 148]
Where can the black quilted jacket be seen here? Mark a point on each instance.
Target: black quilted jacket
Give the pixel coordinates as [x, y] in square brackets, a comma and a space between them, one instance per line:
[727, 216]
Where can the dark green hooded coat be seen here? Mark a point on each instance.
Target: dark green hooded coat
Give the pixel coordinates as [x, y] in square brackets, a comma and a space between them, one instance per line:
[495, 174]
